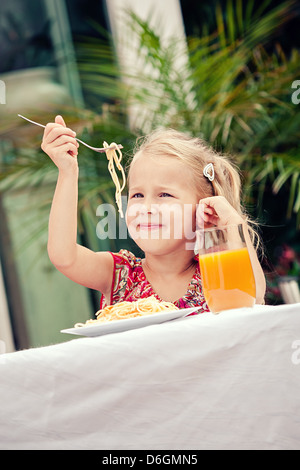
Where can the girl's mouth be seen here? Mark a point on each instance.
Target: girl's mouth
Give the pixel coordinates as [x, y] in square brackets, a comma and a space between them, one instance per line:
[149, 226]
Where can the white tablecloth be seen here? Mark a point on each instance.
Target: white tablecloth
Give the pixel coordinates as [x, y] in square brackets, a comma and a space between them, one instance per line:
[228, 381]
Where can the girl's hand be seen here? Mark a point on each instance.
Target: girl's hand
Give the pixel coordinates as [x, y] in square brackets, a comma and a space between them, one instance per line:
[60, 144]
[216, 212]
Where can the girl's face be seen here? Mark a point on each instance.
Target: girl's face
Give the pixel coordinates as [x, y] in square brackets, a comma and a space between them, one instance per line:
[162, 201]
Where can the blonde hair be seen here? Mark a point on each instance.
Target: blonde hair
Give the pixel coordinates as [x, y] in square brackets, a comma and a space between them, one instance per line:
[196, 154]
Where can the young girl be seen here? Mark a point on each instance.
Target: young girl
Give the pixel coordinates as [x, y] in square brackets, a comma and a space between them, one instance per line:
[174, 182]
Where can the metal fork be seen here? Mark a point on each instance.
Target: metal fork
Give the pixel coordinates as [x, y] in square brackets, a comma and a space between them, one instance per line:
[96, 149]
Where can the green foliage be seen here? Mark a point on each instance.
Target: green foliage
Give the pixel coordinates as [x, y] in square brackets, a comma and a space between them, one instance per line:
[231, 86]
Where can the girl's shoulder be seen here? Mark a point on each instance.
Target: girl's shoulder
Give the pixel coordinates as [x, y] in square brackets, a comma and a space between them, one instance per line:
[126, 258]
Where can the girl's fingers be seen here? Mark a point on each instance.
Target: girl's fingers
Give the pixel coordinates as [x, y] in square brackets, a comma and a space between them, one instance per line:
[56, 131]
[204, 209]
[60, 120]
[218, 211]
[69, 148]
[64, 139]
[201, 216]
[206, 216]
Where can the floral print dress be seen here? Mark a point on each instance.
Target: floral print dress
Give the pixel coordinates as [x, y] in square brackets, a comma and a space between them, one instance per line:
[130, 284]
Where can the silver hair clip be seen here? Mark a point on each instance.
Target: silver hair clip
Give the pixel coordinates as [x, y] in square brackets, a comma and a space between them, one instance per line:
[209, 171]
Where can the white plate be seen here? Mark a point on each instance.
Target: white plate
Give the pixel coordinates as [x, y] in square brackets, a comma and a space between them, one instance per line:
[117, 326]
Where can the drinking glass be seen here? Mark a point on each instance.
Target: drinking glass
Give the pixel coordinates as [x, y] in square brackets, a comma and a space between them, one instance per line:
[227, 276]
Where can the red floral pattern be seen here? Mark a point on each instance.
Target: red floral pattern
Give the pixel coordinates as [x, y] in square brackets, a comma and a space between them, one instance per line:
[130, 284]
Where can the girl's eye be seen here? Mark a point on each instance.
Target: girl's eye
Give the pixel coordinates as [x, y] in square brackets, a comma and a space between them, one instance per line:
[136, 195]
[165, 195]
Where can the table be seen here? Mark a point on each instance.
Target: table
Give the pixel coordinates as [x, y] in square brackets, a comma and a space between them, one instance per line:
[227, 381]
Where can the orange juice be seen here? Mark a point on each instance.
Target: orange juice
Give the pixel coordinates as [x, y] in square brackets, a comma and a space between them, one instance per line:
[227, 279]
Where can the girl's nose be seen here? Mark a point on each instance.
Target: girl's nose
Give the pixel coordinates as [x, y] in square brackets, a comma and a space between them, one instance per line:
[148, 207]
[144, 208]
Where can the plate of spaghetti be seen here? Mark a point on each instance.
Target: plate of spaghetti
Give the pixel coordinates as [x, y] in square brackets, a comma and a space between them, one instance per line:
[126, 315]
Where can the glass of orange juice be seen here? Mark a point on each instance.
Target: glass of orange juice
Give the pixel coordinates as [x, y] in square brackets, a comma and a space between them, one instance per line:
[227, 277]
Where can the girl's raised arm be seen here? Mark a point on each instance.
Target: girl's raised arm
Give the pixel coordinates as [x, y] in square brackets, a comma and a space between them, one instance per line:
[93, 270]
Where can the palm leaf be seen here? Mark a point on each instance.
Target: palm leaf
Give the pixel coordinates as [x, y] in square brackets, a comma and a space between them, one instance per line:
[227, 89]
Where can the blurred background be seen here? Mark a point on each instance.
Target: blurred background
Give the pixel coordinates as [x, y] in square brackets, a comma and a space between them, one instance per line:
[226, 71]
